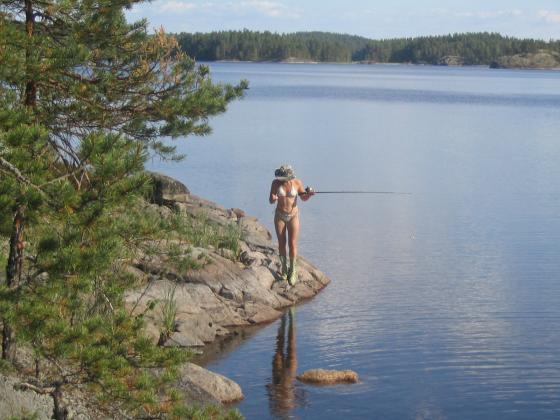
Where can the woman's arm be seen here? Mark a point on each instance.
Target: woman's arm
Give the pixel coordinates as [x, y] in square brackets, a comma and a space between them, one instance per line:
[273, 196]
[305, 194]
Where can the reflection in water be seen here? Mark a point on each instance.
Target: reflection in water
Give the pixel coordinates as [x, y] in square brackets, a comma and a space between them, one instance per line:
[446, 301]
[283, 393]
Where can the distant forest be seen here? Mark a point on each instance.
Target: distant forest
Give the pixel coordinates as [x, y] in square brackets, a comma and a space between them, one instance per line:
[469, 48]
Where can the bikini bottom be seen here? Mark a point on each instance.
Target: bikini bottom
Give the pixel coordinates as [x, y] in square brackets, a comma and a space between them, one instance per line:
[286, 217]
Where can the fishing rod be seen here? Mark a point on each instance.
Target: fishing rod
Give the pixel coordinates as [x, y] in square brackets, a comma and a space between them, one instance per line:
[358, 192]
[362, 192]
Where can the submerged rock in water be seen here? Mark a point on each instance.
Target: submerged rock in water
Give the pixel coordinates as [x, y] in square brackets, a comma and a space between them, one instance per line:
[328, 377]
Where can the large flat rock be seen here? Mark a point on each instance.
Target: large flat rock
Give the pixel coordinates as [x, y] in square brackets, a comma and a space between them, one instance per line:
[199, 381]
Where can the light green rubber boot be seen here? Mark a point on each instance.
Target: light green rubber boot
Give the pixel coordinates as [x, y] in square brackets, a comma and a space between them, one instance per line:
[284, 262]
[292, 273]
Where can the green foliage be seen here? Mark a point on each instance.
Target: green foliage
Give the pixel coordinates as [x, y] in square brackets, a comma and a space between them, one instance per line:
[3, 256]
[202, 232]
[173, 234]
[230, 239]
[168, 310]
[184, 261]
[76, 315]
[472, 48]
[267, 46]
[6, 366]
[85, 98]
[205, 413]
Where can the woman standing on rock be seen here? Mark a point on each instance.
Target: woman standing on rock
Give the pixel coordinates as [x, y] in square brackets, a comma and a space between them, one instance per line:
[284, 191]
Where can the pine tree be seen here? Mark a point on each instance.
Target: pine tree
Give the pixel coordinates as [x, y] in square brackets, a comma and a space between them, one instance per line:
[85, 97]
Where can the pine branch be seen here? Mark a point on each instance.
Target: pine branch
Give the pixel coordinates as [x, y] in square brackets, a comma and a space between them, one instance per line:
[65, 176]
[24, 386]
[8, 168]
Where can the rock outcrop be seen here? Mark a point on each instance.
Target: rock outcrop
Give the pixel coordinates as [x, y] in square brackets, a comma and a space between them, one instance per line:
[167, 190]
[229, 291]
[451, 60]
[215, 294]
[538, 60]
[204, 386]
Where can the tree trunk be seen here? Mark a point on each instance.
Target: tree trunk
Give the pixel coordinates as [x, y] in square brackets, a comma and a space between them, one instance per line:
[13, 273]
[60, 412]
[6, 341]
[15, 259]
[31, 85]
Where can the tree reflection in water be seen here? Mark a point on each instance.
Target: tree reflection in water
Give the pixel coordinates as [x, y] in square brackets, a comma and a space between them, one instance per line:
[283, 393]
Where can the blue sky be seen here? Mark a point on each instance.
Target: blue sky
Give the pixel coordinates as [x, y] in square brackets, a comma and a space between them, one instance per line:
[374, 19]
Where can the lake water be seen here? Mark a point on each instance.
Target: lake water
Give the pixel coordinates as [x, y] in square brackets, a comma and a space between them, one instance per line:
[446, 301]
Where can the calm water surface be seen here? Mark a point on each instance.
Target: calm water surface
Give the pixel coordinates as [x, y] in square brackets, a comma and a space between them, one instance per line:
[447, 301]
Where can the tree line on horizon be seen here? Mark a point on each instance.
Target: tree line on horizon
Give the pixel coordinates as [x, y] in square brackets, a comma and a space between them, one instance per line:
[473, 48]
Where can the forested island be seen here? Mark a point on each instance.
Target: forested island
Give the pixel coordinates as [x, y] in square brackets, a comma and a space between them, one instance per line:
[491, 49]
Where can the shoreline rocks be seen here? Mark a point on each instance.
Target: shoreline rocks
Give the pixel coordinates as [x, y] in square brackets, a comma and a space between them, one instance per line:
[227, 293]
[451, 60]
[540, 60]
[167, 190]
[208, 386]
[218, 296]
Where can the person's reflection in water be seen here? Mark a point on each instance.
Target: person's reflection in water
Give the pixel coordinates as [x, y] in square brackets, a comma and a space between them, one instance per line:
[283, 393]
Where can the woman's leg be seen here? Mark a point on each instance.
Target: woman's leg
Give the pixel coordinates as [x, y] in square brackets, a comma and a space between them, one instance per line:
[293, 235]
[280, 227]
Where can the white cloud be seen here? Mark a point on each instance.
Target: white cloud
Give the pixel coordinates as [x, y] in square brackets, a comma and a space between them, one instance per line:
[267, 8]
[490, 14]
[479, 14]
[176, 6]
[549, 16]
[270, 8]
